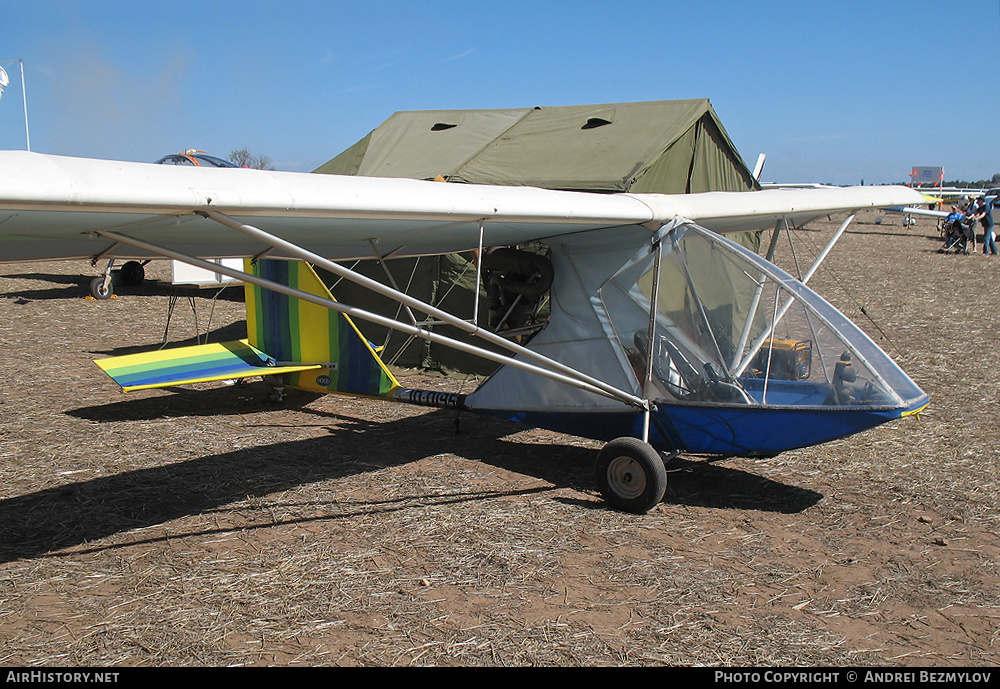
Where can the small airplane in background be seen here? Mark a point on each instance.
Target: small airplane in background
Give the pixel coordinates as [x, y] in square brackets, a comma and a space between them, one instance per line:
[664, 335]
[133, 273]
[195, 158]
[934, 203]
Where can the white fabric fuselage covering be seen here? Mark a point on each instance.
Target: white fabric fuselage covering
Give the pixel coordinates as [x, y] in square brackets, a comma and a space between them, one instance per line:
[576, 334]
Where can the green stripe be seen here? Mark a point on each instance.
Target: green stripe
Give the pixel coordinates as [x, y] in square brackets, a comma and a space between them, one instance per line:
[292, 334]
[247, 355]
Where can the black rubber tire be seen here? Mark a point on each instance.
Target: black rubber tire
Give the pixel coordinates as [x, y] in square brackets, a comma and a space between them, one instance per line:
[133, 274]
[631, 475]
[98, 291]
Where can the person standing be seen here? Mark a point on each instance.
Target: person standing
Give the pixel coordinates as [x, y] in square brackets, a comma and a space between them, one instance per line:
[984, 214]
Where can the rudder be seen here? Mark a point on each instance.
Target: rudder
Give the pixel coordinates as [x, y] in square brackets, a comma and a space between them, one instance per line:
[292, 330]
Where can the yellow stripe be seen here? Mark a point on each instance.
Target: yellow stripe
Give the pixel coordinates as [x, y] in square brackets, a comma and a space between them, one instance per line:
[915, 411]
[114, 363]
[314, 320]
[250, 300]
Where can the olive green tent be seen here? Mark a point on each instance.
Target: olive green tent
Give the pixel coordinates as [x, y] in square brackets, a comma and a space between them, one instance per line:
[671, 147]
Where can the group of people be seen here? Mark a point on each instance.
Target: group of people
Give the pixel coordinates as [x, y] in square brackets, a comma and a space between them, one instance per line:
[960, 227]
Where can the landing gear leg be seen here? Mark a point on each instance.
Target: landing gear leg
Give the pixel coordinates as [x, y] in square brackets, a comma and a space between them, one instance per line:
[275, 388]
[631, 475]
[102, 288]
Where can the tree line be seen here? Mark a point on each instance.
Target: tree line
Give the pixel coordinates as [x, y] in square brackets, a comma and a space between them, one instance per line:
[993, 181]
[244, 158]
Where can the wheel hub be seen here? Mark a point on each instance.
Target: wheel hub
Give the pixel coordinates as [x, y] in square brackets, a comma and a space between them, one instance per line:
[626, 477]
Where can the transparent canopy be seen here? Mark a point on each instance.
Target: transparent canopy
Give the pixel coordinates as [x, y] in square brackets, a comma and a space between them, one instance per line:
[731, 328]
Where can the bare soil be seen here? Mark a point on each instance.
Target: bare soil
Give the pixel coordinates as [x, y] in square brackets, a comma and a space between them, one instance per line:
[209, 526]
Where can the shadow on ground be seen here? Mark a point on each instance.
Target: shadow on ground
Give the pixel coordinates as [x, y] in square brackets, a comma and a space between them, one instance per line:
[73, 514]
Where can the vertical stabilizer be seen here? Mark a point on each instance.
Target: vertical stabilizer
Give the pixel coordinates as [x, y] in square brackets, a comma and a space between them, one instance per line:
[290, 330]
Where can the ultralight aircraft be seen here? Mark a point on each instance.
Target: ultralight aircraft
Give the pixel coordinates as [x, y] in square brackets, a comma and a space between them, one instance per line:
[664, 335]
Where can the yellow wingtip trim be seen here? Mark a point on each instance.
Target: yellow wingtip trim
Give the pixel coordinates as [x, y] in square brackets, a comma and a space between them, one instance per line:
[915, 412]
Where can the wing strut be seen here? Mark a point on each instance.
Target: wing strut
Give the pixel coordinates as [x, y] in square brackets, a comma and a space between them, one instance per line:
[647, 382]
[780, 313]
[828, 248]
[555, 371]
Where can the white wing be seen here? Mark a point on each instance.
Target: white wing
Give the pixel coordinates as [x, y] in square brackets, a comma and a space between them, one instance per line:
[49, 205]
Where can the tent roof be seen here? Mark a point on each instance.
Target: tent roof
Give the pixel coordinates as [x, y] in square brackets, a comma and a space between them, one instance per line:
[665, 146]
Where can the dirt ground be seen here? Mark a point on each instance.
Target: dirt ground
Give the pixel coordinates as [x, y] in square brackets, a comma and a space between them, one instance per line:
[212, 527]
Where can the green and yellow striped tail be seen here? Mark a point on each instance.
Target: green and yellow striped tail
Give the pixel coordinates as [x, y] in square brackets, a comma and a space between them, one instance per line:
[292, 331]
[309, 346]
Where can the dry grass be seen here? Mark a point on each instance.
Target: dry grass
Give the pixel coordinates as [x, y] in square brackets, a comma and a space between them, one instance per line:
[210, 527]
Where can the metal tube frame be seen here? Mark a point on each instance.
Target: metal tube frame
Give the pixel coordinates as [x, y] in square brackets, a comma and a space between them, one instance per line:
[647, 382]
[403, 298]
[555, 371]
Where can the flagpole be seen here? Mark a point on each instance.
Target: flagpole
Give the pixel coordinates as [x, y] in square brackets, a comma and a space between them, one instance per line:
[24, 100]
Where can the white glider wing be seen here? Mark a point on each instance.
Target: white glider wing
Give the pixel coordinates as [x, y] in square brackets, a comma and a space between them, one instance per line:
[53, 207]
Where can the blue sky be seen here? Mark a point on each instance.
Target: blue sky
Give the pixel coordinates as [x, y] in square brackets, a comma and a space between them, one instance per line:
[833, 92]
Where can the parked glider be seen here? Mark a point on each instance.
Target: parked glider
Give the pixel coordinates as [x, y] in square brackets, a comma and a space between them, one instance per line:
[664, 336]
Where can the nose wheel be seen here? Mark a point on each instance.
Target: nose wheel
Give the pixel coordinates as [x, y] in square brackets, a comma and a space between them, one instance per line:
[631, 475]
[101, 288]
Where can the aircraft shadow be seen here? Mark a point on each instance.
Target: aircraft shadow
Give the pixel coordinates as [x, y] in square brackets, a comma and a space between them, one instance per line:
[703, 483]
[185, 401]
[73, 514]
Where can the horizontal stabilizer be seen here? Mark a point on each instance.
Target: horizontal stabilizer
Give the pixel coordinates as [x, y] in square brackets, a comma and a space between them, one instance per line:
[197, 364]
